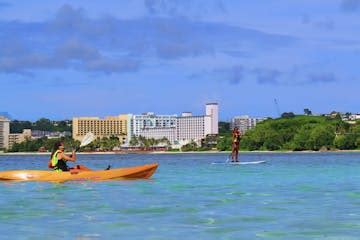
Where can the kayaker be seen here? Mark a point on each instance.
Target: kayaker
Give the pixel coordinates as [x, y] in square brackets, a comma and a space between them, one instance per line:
[59, 158]
[235, 145]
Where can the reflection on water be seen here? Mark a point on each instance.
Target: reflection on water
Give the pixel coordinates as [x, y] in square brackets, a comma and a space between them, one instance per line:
[292, 196]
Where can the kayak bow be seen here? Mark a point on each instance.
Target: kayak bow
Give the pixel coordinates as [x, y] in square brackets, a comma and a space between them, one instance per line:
[136, 172]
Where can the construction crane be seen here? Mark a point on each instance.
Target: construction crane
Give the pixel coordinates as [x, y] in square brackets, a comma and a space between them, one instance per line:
[277, 107]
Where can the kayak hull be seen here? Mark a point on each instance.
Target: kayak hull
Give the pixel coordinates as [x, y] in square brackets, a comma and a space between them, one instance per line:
[136, 172]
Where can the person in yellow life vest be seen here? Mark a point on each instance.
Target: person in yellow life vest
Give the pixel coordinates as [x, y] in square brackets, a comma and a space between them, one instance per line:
[59, 158]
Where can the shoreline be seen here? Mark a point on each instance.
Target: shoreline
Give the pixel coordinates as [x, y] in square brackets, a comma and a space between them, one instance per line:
[191, 152]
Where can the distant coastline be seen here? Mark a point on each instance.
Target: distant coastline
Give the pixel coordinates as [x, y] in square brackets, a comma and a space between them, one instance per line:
[169, 152]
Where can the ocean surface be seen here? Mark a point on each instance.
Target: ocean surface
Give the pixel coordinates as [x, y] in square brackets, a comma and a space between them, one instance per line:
[291, 196]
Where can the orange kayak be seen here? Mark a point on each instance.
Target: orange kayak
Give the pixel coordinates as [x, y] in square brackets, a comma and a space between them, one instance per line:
[80, 174]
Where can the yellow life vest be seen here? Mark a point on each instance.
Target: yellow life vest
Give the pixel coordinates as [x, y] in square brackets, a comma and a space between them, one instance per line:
[54, 161]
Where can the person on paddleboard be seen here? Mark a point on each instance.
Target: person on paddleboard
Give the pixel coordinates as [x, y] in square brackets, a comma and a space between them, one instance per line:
[235, 145]
[59, 158]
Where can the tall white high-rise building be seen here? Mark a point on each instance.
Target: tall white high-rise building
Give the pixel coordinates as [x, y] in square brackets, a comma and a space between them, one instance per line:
[212, 110]
[4, 132]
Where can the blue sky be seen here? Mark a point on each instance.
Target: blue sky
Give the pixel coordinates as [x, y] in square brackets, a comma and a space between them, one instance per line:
[60, 59]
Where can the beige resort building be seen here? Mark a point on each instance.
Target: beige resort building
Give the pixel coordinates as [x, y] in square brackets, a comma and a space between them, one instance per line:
[19, 137]
[106, 127]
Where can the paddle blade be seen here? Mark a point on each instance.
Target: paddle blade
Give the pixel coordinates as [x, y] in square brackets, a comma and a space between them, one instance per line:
[89, 137]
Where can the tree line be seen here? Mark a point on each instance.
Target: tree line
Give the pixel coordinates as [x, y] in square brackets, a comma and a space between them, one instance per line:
[100, 144]
[43, 144]
[142, 141]
[46, 144]
[43, 124]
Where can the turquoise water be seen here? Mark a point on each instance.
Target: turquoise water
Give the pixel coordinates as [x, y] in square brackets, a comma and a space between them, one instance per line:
[292, 196]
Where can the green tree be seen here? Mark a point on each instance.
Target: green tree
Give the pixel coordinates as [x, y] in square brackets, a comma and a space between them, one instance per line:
[272, 140]
[152, 142]
[307, 111]
[358, 142]
[62, 126]
[345, 142]
[209, 142]
[301, 138]
[341, 127]
[253, 139]
[165, 141]
[322, 136]
[134, 141]
[17, 126]
[43, 124]
[224, 143]
[224, 128]
[356, 131]
[109, 143]
[192, 146]
[143, 141]
[96, 144]
[288, 115]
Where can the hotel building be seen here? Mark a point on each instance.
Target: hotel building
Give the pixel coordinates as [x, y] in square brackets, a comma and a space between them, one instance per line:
[19, 137]
[4, 132]
[109, 126]
[191, 127]
[212, 110]
[150, 120]
[244, 123]
[178, 130]
[154, 126]
[195, 128]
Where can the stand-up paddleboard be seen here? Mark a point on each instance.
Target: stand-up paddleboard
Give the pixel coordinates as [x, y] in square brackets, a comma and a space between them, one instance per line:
[240, 163]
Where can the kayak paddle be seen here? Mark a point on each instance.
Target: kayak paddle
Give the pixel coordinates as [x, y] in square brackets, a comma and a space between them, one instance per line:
[88, 138]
